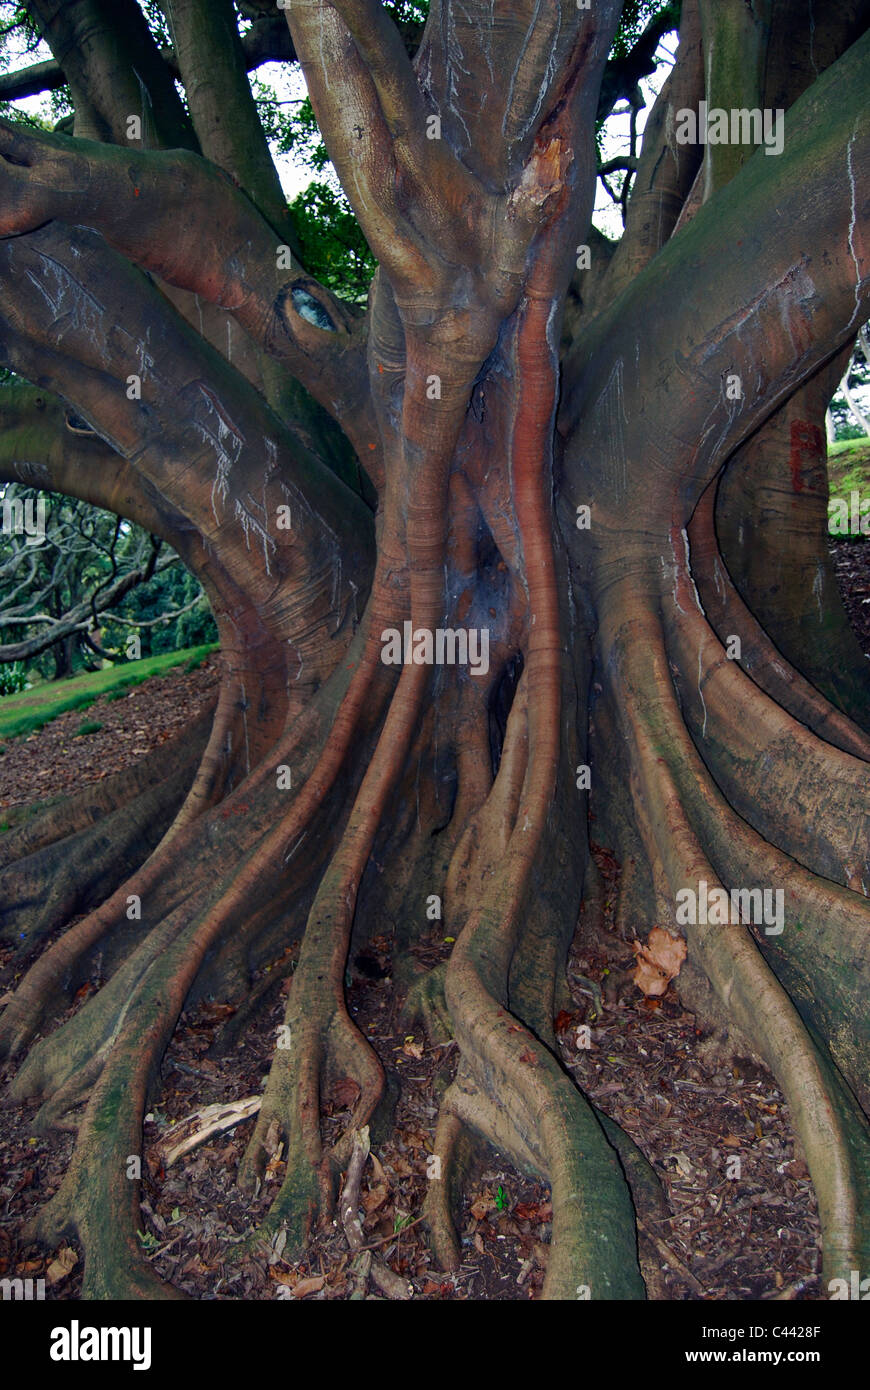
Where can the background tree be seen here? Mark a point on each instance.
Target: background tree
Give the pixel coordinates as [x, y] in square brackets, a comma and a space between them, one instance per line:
[613, 463]
[78, 593]
[849, 414]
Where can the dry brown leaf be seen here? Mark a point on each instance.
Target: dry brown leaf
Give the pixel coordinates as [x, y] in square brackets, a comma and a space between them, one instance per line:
[307, 1286]
[482, 1207]
[533, 1211]
[659, 961]
[374, 1198]
[416, 1139]
[63, 1264]
[378, 1169]
[275, 1167]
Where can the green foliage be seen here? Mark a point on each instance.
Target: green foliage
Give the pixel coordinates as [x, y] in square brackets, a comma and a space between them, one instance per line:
[16, 22]
[845, 424]
[23, 714]
[164, 593]
[97, 546]
[334, 249]
[290, 131]
[407, 11]
[636, 15]
[849, 466]
[13, 677]
[88, 726]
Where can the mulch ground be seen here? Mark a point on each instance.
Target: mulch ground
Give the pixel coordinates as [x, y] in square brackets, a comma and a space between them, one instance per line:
[58, 759]
[742, 1220]
[852, 563]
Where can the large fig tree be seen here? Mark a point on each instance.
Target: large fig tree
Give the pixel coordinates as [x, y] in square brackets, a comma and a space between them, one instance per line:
[600, 465]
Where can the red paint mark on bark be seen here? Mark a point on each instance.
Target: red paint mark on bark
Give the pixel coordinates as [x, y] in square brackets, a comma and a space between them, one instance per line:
[807, 448]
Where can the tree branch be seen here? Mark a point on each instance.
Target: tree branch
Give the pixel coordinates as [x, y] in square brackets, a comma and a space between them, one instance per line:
[32, 80]
[622, 75]
[81, 616]
[267, 40]
[114, 70]
[212, 67]
[352, 122]
[735, 38]
[84, 320]
[765, 324]
[666, 169]
[38, 449]
[182, 219]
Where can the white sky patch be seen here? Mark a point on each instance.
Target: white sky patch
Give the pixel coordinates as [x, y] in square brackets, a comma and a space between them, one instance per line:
[616, 139]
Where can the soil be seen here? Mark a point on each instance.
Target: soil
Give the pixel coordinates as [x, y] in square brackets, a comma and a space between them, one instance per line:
[742, 1220]
[852, 563]
[59, 759]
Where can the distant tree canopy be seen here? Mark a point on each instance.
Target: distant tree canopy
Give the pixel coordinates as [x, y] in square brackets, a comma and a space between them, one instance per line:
[76, 583]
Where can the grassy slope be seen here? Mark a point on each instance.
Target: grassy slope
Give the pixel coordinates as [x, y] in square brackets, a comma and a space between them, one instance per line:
[30, 709]
[849, 467]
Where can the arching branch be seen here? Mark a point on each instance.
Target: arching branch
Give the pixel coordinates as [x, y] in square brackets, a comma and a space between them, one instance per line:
[182, 219]
[114, 70]
[212, 66]
[80, 617]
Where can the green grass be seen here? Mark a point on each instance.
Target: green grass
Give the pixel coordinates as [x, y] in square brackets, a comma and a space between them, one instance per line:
[29, 710]
[88, 726]
[849, 467]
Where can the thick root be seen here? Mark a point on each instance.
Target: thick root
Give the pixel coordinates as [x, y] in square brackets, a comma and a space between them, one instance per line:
[833, 1132]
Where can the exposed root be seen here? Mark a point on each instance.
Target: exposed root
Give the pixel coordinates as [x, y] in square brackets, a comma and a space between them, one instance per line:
[88, 866]
[210, 782]
[111, 1129]
[760, 659]
[425, 1005]
[779, 776]
[833, 1132]
[164, 881]
[321, 1035]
